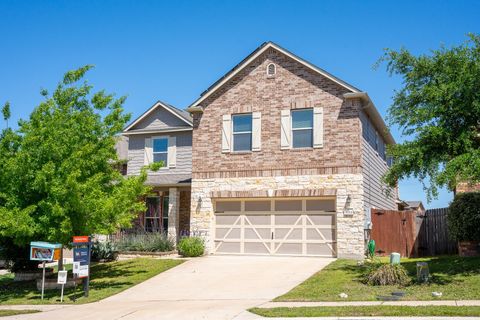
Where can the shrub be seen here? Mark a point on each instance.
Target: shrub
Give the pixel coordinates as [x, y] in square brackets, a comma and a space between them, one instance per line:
[191, 247]
[104, 251]
[464, 217]
[387, 274]
[146, 242]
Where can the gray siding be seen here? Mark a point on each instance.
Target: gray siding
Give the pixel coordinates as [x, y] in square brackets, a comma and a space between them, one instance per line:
[374, 165]
[136, 153]
[160, 119]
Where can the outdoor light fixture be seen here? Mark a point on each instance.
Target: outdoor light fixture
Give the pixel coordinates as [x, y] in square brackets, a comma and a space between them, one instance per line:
[348, 211]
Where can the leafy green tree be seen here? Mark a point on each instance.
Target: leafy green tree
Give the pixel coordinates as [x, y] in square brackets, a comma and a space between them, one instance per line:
[438, 111]
[6, 112]
[57, 170]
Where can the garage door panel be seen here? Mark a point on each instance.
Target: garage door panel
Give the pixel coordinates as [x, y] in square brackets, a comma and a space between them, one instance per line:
[228, 233]
[226, 220]
[258, 219]
[288, 248]
[227, 247]
[258, 233]
[256, 248]
[316, 234]
[321, 219]
[287, 219]
[288, 233]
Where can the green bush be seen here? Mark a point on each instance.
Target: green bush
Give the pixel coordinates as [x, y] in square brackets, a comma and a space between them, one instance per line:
[464, 217]
[146, 242]
[387, 274]
[191, 247]
[104, 251]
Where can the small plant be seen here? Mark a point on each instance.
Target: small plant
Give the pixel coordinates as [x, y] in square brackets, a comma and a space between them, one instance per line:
[146, 242]
[104, 251]
[191, 247]
[386, 274]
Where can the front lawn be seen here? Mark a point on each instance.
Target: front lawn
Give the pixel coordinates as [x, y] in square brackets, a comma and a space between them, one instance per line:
[106, 279]
[457, 278]
[369, 311]
[7, 313]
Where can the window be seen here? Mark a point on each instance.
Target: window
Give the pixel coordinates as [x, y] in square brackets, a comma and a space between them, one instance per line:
[153, 215]
[160, 150]
[242, 132]
[302, 128]
[271, 70]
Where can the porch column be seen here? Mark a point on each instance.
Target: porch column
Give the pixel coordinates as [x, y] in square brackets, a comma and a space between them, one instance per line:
[173, 213]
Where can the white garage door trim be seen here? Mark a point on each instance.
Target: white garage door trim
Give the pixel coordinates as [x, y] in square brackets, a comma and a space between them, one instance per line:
[297, 233]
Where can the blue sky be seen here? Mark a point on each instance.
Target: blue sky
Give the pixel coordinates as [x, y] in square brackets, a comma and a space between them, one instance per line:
[173, 50]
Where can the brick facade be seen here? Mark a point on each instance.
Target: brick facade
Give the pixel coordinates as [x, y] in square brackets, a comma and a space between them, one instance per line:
[335, 168]
[294, 86]
[184, 222]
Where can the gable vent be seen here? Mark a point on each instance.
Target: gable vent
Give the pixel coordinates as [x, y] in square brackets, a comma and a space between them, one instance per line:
[271, 70]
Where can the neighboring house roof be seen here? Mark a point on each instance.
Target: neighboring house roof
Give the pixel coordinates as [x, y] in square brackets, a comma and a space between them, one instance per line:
[414, 204]
[181, 114]
[369, 108]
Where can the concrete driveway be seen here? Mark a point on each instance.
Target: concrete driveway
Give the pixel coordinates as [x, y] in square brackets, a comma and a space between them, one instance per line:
[213, 287]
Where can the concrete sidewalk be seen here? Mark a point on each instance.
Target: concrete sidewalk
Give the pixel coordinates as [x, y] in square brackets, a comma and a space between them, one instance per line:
[458, 303]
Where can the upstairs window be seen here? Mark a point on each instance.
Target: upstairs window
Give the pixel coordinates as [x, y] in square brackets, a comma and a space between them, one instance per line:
[302, 128]
[160, 150]
[242, 132]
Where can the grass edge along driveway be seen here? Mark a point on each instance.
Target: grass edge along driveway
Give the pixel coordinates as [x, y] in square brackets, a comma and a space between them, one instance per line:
[7, 313]
[367, 311]
[458, 278]
[107, 279]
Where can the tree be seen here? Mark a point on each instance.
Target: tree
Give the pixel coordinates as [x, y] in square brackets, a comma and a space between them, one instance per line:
[57, 170]
[438, 110]
[6, 112]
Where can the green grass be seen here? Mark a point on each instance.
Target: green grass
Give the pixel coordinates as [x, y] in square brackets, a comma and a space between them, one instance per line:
[368, 311]
[106, 279]
[7, 313]
[457, 278]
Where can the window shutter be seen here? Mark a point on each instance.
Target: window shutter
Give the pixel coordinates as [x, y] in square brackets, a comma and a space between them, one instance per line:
[286, 131]
[256, 131]
[226, 133]
[318, 127]
[172, 152]
[148, 151]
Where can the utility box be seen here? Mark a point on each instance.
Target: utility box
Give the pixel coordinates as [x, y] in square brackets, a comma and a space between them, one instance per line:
[395, 258]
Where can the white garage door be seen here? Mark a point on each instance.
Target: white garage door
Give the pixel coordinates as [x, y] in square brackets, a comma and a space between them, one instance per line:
[301, 227]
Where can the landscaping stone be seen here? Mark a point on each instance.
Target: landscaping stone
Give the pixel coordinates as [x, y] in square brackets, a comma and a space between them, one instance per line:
[51, 284]
[32, 275]
[343, 295]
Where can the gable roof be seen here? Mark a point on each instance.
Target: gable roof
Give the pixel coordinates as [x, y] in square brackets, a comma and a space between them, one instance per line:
[181, 114]
[255, 54]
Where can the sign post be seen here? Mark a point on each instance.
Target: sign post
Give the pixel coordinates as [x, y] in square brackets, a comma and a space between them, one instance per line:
[62, 279]
[81, 260]
[44, 251]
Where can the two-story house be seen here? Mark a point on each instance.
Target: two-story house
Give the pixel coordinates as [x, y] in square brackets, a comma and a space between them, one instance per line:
[163, 134]
[287, 159]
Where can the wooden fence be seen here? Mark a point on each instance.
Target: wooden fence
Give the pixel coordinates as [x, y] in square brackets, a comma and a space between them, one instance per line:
[433, 236]
[412, 233]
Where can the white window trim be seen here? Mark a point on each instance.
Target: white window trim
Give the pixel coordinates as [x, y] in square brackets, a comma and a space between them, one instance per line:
[274, 70]
[241, 132]
[160, 152]
[299, 129]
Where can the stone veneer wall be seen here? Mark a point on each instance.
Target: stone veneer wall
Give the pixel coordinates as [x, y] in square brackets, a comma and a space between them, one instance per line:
[350, 229]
